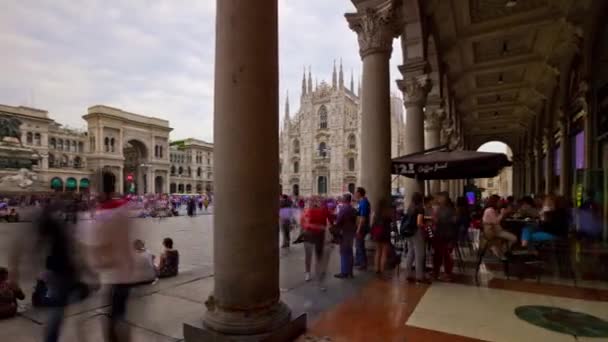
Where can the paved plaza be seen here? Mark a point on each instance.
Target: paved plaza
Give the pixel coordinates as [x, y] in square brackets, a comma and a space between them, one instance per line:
[157, 312]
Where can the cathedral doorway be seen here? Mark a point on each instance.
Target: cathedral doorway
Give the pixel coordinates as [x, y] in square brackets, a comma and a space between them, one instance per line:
[158, 184]
[295, 190]
[322, 185]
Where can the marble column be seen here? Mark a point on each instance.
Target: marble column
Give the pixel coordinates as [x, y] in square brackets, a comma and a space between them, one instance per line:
[246, 297]
[375, 34]
[433, 121]
[119, 186]
[415, 90]
[565, 179]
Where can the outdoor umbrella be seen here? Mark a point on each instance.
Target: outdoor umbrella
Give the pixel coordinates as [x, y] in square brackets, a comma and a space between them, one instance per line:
[441, 163]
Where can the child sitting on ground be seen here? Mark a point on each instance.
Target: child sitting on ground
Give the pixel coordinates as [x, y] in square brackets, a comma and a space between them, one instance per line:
[9, 293]
[168, 265]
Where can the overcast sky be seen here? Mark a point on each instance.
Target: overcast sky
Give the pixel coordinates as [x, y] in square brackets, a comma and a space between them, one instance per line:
[152, 57]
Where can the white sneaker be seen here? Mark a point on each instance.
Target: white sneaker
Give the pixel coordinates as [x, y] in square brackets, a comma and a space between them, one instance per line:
[307, 276]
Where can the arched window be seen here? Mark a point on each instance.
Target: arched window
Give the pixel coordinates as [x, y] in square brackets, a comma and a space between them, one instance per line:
[60, 144]
[53, 143]
[180, 170]
[189, 171]
[156, 151]
[180, 188]
[80, 146]
[112, 144]
[68, 145]
[160, 150]
[74, 146]
[29, 138]
[172, 188]
[322, 117]
[352, 141]
[172, 169]
[189, 188]
[106, 143]
[51, 160]
[296, 167]
[37, 139]
[77, 162]
[323, 150]
[199, 171]
[351, 164]
[296, 146]
[322, 185]
[295, 190]
[64, 160]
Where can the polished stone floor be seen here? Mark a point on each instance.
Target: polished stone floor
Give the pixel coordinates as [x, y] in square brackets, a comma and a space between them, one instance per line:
[366, 308]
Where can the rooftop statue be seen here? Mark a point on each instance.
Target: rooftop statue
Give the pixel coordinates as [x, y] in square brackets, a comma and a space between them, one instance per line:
[9, 127]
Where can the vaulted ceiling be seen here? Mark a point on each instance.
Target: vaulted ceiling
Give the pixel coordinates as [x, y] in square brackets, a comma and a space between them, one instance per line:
[500, 59]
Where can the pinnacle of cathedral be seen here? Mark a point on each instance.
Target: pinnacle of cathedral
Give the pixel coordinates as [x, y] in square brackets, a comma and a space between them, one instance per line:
[352, 82]
[304, 83]
[309, 80]
[341, 77]
[334, 78]
[287, 107]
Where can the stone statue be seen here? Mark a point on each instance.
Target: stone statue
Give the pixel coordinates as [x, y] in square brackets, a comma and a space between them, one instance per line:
[9, 127]
[24, 179]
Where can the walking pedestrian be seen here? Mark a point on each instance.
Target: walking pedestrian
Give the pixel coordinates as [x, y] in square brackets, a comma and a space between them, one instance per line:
[412, 227]
[446, 234]
[285, 219]
[314, 224]
[346, 227]
[364, 210]
[381, 220]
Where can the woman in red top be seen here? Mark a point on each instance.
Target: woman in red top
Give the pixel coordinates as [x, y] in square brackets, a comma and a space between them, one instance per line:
[315, 221]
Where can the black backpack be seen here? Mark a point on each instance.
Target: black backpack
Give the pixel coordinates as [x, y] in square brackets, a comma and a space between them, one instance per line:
[409, 225]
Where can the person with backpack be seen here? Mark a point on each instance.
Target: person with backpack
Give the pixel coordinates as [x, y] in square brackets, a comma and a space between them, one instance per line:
[346, 226]
[412, 230]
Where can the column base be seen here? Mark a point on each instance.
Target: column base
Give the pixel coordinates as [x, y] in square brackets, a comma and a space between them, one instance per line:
[287, 332]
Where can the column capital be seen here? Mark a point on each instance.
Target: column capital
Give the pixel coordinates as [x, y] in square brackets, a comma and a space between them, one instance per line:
[415, 90]
[434, 117]
[375, 28]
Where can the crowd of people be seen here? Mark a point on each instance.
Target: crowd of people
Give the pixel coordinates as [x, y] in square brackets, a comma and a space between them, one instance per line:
[433, 221]
[79, 259]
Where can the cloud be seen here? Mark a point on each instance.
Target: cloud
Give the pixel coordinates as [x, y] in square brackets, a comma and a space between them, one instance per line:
[152, 57]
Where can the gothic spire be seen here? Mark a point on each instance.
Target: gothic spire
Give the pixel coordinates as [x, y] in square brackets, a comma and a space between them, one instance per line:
[304, 83]
[287, 106]
[341, 77]
[334, 77]
[309, 80]
[359, 90]
[352, 82]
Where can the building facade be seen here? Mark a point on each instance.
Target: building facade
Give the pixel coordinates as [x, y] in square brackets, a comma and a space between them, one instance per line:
[119, 151]
[320, 145]
[191, 166]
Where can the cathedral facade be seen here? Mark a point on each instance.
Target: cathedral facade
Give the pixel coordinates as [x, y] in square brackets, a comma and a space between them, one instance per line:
[320, 144]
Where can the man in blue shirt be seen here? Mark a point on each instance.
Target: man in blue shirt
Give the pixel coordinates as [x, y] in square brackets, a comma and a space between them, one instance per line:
[362, 228]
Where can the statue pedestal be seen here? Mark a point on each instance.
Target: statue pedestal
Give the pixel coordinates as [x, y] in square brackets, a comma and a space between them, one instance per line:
[16, 173]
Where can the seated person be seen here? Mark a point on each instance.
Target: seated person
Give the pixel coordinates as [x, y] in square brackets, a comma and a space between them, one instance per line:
[144, 270]
[554, 222]
[9, 293]
[168, 265]
[527, 208]
[13, 216]
[492, 228]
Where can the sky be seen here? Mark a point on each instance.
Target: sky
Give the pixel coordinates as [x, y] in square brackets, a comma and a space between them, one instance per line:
[154, 57]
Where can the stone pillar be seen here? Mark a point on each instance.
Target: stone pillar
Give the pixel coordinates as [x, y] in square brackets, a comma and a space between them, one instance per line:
[550, 161]
[415, 90]
[516, 178]
[246, 298]
[120, 179]
[434, 115]
[565, 179]
[375, 34]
